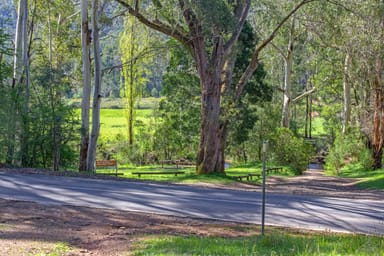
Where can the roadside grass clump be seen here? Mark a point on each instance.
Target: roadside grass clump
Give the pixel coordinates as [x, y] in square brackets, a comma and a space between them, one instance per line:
[57, 249]
[275, 243]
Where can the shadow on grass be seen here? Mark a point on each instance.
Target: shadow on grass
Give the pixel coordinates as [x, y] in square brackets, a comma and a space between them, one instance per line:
[372, 179]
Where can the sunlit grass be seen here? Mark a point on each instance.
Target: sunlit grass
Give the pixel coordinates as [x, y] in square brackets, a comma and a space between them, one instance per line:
[189, 176]
[275, 243]
[372, 179]
[113, 120]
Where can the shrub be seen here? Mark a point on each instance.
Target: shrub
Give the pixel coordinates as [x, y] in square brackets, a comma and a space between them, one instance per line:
[349, 148]
[290, 150]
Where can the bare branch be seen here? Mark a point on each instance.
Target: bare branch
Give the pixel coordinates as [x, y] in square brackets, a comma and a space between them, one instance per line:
[303, 94]
[279, 50]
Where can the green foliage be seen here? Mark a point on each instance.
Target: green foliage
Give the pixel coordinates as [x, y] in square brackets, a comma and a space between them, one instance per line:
[214, 14]
[276, 243]
[6, 94]
[349, 148]
[243, 119]
[290, 150]
[177, 135]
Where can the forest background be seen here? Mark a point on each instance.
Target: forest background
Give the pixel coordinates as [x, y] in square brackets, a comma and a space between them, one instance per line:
[317, 87]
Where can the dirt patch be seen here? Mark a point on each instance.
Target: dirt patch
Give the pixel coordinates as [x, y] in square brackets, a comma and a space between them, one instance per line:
[314, 182]
[28, 228]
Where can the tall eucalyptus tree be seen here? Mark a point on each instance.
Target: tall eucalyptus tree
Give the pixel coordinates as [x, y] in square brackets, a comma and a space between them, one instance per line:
[210, 31]
[91, 155]
[85, 101]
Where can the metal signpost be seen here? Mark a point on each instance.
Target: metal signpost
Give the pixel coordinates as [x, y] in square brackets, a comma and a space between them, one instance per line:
[265, 146]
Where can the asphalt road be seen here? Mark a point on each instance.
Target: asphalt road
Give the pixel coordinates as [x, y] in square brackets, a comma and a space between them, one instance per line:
[308, 212]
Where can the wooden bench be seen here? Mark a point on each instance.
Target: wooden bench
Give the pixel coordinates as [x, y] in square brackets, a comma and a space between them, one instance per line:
[248, 177]
[241, 177]
[274, 170]
[257, 175]
[108, 164]
[183, 162]
[157, 173]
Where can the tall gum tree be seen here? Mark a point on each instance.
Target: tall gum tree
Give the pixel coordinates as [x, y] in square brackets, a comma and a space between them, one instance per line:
[210, 31]
[91, 155]
[85, 102]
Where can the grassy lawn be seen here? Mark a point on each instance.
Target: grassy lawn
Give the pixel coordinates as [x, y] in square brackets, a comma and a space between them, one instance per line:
[275, 243]
[369, 178]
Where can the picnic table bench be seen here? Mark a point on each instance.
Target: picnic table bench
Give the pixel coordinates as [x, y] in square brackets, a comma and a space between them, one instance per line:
[249, 176]
[108, 164]
[178, 163]
[157, 173]
[274, 169]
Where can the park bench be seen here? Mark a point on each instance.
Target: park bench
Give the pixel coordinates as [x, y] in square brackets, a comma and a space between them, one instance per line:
[241, 177]
[248, 177]
[157, 173]
[274, 170]
[108, 164]
[184, 162]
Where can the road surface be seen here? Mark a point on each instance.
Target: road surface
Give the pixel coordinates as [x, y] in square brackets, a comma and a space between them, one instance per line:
[307, 212]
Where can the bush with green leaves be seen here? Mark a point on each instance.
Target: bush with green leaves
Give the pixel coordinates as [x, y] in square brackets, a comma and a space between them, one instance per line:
[287, 149]
[348, 148]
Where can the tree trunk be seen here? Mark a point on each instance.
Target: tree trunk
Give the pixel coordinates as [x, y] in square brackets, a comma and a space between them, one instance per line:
[18, 54]
[85, 103]
[347, 93]
[25, 127]
[212, 134]
[130, 97]
[378, 118]
[17, 73]
[285, 118]
[377, 135]
[97, 90]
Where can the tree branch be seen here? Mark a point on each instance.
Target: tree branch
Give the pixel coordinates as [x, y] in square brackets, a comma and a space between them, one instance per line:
[303, 94]
[279, 50]
[241, 13]
[157, 25]
[255, 57]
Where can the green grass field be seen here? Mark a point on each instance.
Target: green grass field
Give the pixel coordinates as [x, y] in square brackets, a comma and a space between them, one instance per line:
[113, 121]
[277, 243]
[112, 115]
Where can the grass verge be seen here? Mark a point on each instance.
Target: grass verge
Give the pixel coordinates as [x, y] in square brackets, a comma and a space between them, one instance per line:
[275, 243]
[370, 179]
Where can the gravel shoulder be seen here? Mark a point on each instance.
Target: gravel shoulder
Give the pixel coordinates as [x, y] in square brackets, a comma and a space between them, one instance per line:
[28, 228]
